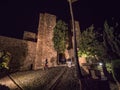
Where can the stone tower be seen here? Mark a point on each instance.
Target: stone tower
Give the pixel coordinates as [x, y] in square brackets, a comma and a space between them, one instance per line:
[45, 49]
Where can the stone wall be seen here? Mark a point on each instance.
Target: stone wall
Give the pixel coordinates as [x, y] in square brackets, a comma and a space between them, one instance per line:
[30, 36]
[45, 49]
[69, 53]
[23, 52]
[51, 54]
[28, 55]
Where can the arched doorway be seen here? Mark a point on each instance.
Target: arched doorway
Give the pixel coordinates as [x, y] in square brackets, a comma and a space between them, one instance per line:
[62, 59]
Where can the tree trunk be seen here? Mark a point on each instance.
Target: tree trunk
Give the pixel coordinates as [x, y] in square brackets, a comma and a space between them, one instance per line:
[115, 79]
[78, 70]
[117, 83]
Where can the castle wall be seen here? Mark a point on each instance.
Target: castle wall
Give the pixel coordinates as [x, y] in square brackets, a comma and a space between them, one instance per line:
[23, 52]
[30, 36]
[45, 49]
[27, 55]
[69, 53]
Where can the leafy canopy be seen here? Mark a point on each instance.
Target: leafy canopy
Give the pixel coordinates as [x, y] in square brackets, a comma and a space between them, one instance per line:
[111, 39]
[89, 45]
[60, 36]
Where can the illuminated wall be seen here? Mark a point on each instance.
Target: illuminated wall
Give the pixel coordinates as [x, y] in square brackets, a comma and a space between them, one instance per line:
[23, 52]
[32, 52]
[45, 49]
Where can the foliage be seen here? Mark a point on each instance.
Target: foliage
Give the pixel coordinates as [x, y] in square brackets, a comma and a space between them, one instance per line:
[111, 66]
[60, 36]
[111, 40]
[89, 45]
[108, 48]
[5, 57]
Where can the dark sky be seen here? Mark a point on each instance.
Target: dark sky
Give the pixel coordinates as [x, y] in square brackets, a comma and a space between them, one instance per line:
[17, 16]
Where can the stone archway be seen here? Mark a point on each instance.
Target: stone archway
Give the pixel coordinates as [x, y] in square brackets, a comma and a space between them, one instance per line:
[62, 59]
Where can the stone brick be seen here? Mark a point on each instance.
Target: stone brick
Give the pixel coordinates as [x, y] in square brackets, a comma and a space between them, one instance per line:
[30, 36]
[45, 49]
[20, 50]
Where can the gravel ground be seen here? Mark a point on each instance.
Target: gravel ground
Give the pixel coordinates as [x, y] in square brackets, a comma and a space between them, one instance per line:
[68, 81]
[44, 79]
[32, 80]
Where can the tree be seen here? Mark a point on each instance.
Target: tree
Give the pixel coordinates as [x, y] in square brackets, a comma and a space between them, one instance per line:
[78, 69]
[111, 42]
[89, 45]
[60, 36]
[111, 66]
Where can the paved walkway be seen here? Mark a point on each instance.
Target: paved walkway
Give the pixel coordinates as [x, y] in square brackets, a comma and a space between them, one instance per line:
[32, 80]
[59, 78]
[68, 81]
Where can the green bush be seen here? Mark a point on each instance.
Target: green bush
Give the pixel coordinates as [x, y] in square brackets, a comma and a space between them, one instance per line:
[114, 66]
[5, 58]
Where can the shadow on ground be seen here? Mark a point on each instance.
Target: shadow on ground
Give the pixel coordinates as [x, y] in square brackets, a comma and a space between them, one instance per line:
[3, 87]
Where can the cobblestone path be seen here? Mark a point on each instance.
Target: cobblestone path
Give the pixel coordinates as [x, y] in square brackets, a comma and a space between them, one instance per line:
[68, 81]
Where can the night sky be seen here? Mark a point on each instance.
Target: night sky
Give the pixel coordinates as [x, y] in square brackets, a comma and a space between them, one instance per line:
[17, 16]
